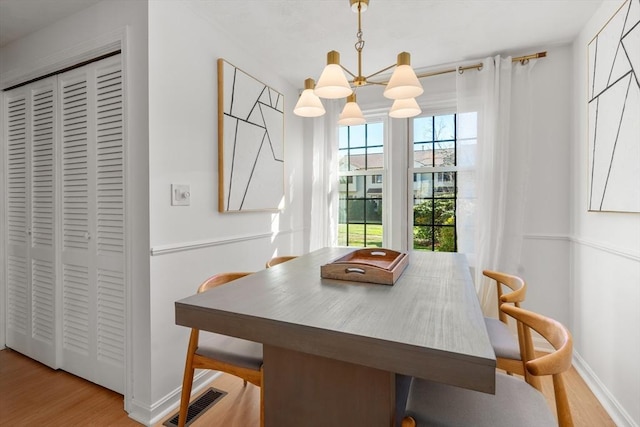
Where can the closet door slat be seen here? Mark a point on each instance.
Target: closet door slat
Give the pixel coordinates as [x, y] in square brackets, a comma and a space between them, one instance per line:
[43, 191]
[17, 168]
[75, 189]
[16, 218]
[30, 126]
[93, 231]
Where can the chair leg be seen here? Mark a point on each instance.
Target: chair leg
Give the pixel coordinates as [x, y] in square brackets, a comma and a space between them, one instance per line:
[408, 422]
[245, 382]
[261, 397]
[187, 380]
[187, 383]
[563, 408]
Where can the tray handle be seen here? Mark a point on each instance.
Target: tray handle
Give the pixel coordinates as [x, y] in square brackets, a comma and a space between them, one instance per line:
[378, 253]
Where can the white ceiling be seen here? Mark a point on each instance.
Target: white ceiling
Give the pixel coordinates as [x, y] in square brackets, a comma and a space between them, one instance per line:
[21, 17]
[297, 34]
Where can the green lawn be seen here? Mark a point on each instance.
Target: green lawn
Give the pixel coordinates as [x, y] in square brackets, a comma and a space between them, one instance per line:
[374, 237]
[357, 235]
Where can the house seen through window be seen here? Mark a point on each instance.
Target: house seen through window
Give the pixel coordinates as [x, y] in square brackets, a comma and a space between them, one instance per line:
[361, 165]
[440, 147]
[434, 183]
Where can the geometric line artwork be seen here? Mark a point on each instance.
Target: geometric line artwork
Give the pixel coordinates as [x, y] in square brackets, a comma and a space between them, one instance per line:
[250, 142]
[614, 113]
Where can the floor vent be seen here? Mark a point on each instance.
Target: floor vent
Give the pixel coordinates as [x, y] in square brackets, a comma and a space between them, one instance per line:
[198, 407]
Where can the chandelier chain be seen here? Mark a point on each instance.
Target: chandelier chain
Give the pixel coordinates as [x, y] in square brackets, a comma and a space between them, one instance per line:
[359, 45]
[360, 80]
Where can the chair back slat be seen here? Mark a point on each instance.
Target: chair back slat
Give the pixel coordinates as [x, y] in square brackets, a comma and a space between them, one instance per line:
[279, 260]
[517, 287]
[220, 279]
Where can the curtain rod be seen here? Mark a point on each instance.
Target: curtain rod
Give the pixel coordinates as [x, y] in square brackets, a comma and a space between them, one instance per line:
[522, 59]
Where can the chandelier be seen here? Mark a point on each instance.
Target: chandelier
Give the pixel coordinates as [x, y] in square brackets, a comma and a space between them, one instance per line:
[402, 87]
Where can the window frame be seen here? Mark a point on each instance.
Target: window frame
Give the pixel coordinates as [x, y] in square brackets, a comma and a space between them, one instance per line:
[372, 118]
[411, 171]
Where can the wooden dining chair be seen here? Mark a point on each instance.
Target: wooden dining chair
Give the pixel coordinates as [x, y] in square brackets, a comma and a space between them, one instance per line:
[279, 260]
[506, 347]
[235, 356]
[515, 403]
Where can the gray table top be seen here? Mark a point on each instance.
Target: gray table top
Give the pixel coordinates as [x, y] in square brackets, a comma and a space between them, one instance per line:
[428, 324]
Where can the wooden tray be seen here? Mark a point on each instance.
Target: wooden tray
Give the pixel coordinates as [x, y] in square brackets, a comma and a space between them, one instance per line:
[382, 266]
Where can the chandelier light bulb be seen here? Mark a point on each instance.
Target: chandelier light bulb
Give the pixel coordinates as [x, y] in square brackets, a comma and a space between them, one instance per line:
[309, 105]
[351, 114]
[333, 84]
[404, 108]
[403, 83]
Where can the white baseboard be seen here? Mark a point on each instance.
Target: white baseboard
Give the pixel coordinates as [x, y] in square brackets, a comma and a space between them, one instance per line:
[607, 400]
[151, 415]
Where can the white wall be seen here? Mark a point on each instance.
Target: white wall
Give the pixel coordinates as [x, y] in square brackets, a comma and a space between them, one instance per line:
[193, 242]
[605, 256]
[61, 44]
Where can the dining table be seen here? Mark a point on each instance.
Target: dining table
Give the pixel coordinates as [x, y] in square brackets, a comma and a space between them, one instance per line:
[333, 349]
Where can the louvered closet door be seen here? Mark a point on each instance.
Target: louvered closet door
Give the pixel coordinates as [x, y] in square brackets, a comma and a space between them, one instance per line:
[30, 206]
[92, 187]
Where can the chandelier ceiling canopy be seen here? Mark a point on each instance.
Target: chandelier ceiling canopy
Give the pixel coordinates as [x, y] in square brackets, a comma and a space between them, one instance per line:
[402, 87]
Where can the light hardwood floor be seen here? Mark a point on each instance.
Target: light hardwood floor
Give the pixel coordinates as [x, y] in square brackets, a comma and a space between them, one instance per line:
[32, 394]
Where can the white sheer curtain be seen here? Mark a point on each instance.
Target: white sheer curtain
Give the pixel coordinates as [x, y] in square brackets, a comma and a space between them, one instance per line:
[491, 194]
[324, 200]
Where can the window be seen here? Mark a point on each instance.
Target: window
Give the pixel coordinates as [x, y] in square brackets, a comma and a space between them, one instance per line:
[434, 175]
[420, 170]
[361, 155]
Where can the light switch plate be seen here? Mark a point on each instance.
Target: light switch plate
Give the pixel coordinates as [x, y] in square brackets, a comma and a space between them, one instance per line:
[180, 195]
